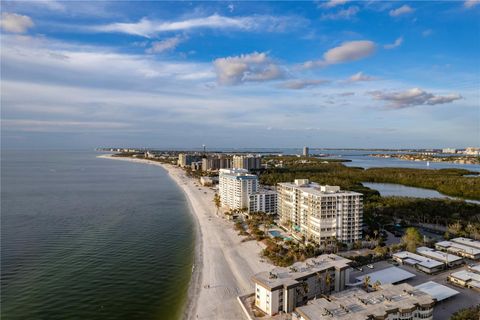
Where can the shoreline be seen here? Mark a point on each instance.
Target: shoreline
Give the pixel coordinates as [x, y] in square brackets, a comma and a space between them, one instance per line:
[213, 291]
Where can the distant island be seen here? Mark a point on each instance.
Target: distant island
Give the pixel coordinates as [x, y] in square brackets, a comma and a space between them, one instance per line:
[430, 157]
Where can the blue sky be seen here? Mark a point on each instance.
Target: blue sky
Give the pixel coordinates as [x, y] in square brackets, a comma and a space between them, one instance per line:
[79, 74]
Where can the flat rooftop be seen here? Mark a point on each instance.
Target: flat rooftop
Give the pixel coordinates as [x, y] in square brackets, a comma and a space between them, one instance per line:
[437, 291]
[468, 242]
[315, 189]
[279, 277]
[388, 276]
[438, 255]
[475, 268]
[356, 304]
[413, 259]
[458, 247]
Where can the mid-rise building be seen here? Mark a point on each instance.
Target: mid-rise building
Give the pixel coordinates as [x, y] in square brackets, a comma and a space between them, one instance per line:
[305, 151]
[320, 213]
[235, 187]
[185, 160]
[248, 162]
[392, 302]
[263, 201]
[284, 289]
[449, 150]
[216, 163]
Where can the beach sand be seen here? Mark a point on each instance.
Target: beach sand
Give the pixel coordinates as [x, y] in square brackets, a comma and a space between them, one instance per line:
[223, 264]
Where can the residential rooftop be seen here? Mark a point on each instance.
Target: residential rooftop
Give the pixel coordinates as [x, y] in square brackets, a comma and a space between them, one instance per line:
[472, 278]
[468, 242]
[356, 304]
[438, 255]
[314, 188]
[458, 247]
[287, 277]
[387, 276]
[413, 259]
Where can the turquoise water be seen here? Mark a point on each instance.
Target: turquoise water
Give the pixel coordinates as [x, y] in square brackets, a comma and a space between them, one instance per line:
[88, 238]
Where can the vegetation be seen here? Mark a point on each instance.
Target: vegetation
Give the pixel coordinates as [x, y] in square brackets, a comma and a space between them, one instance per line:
[447, 181]
[285, 253]
[472, 313]
[462, 229]
[412, 239]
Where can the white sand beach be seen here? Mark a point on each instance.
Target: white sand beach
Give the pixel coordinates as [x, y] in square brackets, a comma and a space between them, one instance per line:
[224, 265]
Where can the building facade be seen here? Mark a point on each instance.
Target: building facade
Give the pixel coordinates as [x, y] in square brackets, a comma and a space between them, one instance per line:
[320, 213]
[284, 289]
[248, 162]
[305, 151]
[235, 188]
[185, 160]
[263, 201]
[216, 163]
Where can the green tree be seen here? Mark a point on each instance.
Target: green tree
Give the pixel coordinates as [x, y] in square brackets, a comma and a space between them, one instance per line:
[472, 313]
[217, 201]
[412, 239]
[366, 282]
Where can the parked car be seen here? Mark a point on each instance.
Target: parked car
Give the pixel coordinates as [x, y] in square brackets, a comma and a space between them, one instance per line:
[370, 266]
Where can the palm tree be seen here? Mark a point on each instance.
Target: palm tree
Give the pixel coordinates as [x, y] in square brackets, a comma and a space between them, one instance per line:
[217, 201]
[377, 285]
[328, 282]
[366, 282]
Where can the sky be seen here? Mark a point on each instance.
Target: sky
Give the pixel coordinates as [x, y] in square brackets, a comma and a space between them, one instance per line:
[337, 73]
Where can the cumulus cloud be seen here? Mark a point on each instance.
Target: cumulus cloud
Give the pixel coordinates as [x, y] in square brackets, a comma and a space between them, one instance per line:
[471, 3]
[303, 83]
[412, 97]
[247, 67]
[165, 45]
[360, 76]
[397, 43]
[149, 28]
[333, 3]
[15, 23]
[342, 14]
[347, 51]
[405, 9]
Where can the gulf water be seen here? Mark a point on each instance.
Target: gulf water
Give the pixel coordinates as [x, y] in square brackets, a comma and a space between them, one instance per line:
[89, 238]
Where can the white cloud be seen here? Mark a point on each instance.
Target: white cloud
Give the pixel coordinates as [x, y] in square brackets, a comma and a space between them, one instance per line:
[247, 67]
[165, 45]
[360, 76]
[471, 3]
[405, 9]
[347, 51]
[342, 14]
[412, 97]
[333, 3]
[394, 45]
[303, 83]
[149, 28]
[15, 23]
[427, 32]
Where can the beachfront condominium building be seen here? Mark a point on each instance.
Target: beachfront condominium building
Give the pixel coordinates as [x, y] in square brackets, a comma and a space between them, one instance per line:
[320, 213]
[248, 162]
[389, 302]
[216, 163]
[235, 187]
[305, 151]
[185, 160]
[263, 201]
[284, 289]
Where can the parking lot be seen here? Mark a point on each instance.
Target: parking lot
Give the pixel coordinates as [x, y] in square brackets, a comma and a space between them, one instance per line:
[444, 309]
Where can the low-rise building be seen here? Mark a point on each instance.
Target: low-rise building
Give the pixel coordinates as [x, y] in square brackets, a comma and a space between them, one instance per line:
[264, 201]
[449, 260]
[466, 278]
[422, 263]
[467, 241]
[392, 302]
[284, 289]
[208, 181]
[458, 249]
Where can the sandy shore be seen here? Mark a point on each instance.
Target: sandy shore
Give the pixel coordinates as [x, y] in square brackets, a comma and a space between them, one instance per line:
[224, 264]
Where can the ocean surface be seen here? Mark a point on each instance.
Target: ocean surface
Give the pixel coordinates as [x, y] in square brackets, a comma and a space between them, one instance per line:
[89, 238]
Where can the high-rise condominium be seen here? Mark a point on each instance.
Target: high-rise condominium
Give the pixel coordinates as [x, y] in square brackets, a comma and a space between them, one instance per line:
[235, 187]
[320, 213]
